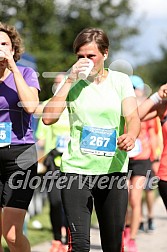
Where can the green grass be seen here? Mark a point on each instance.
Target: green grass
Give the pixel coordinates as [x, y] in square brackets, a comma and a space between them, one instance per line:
[36, 236]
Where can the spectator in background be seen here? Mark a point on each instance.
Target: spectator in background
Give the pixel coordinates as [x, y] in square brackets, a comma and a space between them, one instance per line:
[19, 89]
[54, 140]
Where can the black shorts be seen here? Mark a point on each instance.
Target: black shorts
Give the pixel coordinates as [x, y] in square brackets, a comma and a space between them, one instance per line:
[139, 167]
[18, 167]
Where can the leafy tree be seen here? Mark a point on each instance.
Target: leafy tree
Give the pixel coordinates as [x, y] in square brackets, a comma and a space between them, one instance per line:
[159, 70]
[49, 27]
[110, 15]
[154, 72]
[38, 26]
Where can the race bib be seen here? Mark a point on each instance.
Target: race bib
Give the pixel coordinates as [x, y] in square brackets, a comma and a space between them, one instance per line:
[98, 141]
[62, 143]
[5, 133]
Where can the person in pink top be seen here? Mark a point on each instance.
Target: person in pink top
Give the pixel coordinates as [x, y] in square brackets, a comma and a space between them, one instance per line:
[156, 105]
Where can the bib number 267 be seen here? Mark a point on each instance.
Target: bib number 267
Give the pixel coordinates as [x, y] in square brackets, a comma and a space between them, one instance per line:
[99, 141]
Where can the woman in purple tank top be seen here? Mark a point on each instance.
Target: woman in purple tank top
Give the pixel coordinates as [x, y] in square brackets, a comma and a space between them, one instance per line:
[18, 160]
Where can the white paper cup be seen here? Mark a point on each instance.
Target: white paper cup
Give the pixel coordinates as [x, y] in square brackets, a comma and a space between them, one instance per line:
[84, 74]
[2, 55]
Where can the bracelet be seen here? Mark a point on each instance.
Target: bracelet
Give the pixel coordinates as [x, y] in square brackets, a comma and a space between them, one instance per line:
[155, 98]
